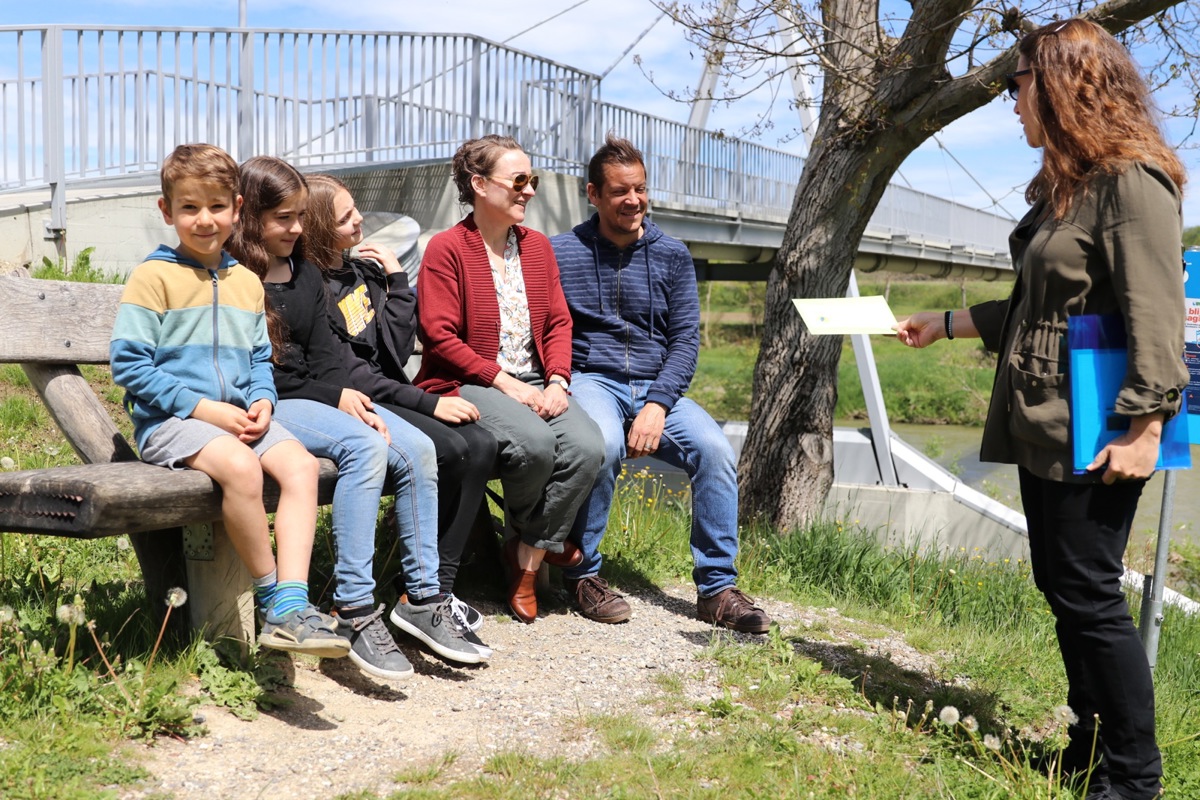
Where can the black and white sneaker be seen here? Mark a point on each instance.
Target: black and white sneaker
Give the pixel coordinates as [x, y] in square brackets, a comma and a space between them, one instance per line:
[466, 614]
[435, 625]
[372, 647]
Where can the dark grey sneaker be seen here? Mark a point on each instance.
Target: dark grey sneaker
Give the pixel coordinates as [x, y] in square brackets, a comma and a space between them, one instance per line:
[731, 608]
[305, 631]
[435, 625]
[372, 647]
[597, 602]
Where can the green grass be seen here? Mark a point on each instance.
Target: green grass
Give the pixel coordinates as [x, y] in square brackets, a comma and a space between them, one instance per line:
[804, 714]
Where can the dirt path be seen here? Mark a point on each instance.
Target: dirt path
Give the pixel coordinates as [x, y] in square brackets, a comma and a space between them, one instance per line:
[345, 731]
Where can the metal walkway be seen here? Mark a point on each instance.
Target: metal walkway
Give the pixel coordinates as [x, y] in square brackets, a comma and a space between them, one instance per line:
[98, 104]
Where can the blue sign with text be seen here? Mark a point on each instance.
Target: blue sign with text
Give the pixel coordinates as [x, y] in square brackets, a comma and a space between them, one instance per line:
[1191, 339]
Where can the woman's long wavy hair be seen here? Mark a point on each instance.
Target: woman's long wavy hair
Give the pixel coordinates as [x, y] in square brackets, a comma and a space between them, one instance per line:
[320, 228]
[1094, 110]
[267, 183]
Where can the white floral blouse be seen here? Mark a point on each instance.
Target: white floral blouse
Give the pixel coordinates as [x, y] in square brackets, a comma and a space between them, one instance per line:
[516, 355]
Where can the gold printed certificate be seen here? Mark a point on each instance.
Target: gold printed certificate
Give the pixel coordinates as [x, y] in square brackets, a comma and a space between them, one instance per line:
[846, 315]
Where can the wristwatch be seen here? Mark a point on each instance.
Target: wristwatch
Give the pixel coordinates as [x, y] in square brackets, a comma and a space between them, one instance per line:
[561, 381]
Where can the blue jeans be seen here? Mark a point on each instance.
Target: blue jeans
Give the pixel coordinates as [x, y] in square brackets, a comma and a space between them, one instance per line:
[693, 442]
[364, 460]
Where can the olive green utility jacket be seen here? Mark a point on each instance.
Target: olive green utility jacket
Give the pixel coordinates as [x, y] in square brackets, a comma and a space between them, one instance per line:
[1116, 251]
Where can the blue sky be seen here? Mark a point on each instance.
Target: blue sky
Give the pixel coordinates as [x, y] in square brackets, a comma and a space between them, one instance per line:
[987, 142]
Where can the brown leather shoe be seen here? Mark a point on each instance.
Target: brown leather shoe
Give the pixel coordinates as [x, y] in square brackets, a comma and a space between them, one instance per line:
[571, 556]
[597, 602]
[522, 597]
[731, 608]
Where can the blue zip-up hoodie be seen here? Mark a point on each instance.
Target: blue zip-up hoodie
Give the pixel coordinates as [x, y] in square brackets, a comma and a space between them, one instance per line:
[184, 333]
[636, 311]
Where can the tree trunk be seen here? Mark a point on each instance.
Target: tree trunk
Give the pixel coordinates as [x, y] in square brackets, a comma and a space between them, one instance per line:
[787, 460]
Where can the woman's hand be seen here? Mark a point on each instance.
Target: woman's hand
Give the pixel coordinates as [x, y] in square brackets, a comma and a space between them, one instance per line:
[455, 410]
[384, 255]
[520, 391]
[922, 329]
[554, 401]
[1134, 454]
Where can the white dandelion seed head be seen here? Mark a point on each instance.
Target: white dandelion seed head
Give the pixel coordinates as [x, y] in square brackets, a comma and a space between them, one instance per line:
[176, 597]
[991, 742]
[64, 614]
[7, 615]
[1063, 715]
[948, 716]
[970, 724]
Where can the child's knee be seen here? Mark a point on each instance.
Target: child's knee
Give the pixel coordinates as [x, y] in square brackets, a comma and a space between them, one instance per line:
[294, 466]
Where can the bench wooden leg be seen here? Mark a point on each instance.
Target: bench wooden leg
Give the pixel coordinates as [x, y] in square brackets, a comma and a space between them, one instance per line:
[160, 555]
[221, 602]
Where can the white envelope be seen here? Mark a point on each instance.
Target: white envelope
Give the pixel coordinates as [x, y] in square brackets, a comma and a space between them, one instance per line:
[846, 315]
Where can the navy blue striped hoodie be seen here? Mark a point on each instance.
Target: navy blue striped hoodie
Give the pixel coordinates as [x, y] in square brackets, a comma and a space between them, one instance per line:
[636, 312]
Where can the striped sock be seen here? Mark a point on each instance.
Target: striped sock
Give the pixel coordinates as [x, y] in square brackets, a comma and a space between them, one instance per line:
[289, 596]
[264, 590]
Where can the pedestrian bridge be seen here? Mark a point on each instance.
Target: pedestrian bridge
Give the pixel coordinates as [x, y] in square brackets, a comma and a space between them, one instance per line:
[88, 113]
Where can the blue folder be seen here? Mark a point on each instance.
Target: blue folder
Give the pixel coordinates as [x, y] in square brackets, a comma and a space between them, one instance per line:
[1099, 358]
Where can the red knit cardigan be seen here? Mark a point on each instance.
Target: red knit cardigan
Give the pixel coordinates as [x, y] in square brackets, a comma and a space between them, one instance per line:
[460, 318]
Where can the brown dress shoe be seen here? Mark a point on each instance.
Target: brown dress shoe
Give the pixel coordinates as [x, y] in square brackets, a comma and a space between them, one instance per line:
[571, 556]
[597, 602]
[731, 608]
[522, 597]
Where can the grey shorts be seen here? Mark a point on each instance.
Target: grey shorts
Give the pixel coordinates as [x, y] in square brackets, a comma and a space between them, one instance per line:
[178, 439]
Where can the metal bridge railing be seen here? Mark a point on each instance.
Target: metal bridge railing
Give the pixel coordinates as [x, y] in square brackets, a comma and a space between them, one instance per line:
[80, 103]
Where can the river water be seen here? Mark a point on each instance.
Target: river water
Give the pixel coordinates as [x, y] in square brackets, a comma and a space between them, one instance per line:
[956, 448]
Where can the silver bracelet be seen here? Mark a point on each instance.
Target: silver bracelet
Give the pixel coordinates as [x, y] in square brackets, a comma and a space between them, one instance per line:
[949, 324]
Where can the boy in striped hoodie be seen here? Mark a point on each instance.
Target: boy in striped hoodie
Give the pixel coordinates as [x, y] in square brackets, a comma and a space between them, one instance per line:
[190, 348]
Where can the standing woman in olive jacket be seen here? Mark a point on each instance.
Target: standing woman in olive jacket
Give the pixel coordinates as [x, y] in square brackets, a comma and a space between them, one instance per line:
[1103, 236]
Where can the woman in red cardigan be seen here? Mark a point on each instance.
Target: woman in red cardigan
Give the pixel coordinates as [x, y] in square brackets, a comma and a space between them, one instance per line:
[496, 330]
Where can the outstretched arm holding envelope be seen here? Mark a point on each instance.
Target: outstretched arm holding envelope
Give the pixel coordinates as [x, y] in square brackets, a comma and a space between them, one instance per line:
[926, 327]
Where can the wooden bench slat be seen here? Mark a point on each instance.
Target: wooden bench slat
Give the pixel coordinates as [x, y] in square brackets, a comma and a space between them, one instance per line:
[57, 322]
[97, 500]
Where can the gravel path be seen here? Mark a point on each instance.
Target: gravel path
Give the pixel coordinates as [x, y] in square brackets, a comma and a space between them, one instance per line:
[345, 731]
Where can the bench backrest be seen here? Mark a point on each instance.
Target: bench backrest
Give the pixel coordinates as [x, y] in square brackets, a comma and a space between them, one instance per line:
[53, 326]
[56, 322]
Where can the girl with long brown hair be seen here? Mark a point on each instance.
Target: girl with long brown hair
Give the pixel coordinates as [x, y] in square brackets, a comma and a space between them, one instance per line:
[1103, 236]
[373, 311]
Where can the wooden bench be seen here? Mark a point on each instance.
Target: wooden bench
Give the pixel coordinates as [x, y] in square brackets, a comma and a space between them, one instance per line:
[172, 517]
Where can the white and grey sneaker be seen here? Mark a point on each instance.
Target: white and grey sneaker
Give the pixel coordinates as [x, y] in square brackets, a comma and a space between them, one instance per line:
[372, 647]
[435, 625]
[466, 614]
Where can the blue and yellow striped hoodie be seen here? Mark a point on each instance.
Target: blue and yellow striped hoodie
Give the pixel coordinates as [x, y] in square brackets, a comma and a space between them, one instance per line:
[183, 333]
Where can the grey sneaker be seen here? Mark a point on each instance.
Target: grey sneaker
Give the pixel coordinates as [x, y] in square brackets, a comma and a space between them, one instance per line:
[731, 608]
[466, 614]
[372, 647]
[304, 631]
[597, 602]
[435, 625]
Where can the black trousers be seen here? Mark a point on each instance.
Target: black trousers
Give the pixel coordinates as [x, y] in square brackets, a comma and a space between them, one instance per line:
[466, 458]
[1077, 539]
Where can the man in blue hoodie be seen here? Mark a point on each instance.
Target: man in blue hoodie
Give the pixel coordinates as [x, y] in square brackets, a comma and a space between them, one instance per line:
[632, 294]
